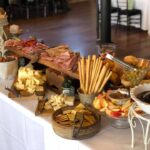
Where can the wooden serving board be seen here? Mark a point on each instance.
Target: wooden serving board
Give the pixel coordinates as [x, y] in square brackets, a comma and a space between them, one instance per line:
[44, 62]
[14, 93]
[33, 58]
[56, 67]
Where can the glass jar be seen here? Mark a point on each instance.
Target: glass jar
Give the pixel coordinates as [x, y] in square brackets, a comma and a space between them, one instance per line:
[68, 88]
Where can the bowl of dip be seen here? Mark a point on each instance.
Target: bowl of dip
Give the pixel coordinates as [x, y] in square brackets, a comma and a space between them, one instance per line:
[119, 96]
[141, 95]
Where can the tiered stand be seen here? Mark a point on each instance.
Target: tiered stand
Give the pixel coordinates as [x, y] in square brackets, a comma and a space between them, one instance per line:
[3, 22]
[144, 121]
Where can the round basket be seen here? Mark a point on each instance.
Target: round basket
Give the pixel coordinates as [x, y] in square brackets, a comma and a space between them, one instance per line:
[72, 132]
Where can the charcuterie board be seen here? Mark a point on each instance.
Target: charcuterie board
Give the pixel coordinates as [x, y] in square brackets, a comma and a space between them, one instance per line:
[44, 62]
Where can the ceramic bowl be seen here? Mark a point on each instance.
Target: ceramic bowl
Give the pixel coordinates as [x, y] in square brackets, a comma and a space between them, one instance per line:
[136, 91]
[116, 100]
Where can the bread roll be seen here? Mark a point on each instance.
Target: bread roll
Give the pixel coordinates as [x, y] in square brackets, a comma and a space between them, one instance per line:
[117, 69]
[110, 63]
[143, 63]
[145, 81]
[125, 83]
[115, 79]
[148, 75]
[132, 60]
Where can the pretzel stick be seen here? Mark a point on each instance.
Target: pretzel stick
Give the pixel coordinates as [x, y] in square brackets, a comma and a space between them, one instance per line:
[105, 81]
[87, 73]
[101, 77]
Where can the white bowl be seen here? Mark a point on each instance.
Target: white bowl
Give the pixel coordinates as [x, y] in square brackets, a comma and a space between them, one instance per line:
[8, 69]
[137, 90]
[118, 101]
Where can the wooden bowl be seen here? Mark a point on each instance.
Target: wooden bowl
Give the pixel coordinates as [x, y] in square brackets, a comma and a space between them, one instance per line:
[72, 132]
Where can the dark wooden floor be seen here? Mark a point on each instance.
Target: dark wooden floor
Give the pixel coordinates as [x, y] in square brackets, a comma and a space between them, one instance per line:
[78, 29]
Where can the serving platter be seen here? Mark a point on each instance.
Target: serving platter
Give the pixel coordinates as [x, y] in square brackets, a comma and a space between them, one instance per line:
[35, 58]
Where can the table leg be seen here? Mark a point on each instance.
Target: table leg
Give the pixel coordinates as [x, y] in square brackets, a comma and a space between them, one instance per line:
[146, 136]
[132, 126]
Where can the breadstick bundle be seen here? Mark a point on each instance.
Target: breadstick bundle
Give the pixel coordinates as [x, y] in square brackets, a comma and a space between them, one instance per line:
[93, 74]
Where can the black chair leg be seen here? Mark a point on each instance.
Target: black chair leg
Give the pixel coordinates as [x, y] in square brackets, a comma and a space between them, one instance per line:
[97, 22]
[98, 27]
[128, 22]
[27, 12]
[140, 21]
[117, 25]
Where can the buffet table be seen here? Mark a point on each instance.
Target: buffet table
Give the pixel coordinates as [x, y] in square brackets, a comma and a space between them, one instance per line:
[20, 129]
[143, 5]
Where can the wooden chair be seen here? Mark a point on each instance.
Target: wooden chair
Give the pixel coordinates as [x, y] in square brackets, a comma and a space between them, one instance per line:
[114, 18]
[36, 5]
[129, 13]
[26, 7]
[60, 6]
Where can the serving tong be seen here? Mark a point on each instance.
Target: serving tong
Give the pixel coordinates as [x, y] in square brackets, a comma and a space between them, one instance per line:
[41, 104]
[13, 91]
[125, 65]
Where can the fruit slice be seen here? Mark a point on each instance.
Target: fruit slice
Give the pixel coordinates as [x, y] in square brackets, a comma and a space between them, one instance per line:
[96, 103]
[116, 114]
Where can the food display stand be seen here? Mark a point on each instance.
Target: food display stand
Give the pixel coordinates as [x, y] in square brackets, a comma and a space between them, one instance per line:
[144, 121]
[24, 131]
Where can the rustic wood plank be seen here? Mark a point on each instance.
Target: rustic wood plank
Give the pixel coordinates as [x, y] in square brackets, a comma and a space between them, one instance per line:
[47, 63]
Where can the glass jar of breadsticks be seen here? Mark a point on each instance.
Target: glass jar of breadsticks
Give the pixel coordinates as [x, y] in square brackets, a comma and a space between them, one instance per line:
[93, 74]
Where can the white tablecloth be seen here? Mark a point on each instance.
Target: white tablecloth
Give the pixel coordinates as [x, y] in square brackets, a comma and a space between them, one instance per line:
[144, 6]
[21, 130]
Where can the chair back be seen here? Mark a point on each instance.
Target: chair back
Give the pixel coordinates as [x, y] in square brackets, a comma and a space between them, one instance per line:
[98, 4]
[122, 4]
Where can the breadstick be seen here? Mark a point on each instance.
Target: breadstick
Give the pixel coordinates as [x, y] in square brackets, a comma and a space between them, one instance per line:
[97, 73]
[83, 72]
[101, 77]
[105, 81]
[80, 76]
[87, 73]
[92, 71]
[90, 75]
